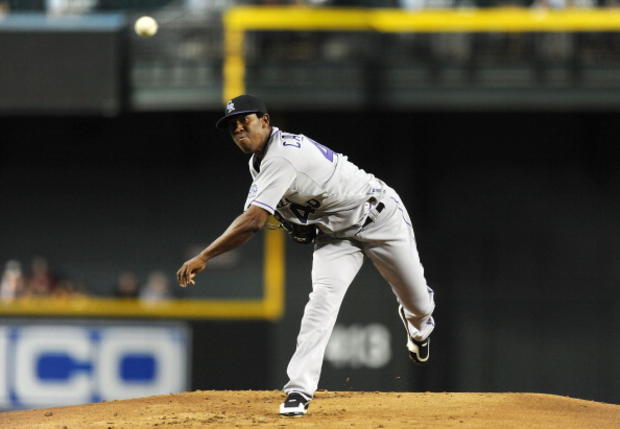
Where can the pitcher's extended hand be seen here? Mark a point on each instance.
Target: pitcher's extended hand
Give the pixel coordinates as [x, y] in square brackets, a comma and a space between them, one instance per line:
[189, 269]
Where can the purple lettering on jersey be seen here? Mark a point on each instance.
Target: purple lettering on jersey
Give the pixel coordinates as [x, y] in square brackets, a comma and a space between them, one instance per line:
[327, 152]
[289, 139]
[293, 143]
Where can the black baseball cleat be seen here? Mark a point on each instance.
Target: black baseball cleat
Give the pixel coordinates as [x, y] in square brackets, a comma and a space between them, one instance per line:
[295, 405]
[419, 351]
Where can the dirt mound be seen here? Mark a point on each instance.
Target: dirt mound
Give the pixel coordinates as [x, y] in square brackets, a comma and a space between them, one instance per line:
[237, 409]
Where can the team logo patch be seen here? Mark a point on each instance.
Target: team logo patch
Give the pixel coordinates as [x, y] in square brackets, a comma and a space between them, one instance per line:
[230, 107]
[253, 191]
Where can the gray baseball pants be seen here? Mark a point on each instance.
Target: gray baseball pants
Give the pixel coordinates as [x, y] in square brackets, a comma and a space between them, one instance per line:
[390, 244]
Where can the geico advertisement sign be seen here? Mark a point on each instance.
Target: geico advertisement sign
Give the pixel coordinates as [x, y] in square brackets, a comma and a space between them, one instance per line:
[58, 364]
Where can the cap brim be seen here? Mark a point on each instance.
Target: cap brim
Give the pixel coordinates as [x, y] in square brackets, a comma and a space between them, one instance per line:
[221, 123]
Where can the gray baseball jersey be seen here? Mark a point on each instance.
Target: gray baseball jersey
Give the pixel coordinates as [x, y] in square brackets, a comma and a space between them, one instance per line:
[308, 183]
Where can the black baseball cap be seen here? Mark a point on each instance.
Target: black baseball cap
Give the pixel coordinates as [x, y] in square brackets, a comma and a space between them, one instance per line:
[241, 105]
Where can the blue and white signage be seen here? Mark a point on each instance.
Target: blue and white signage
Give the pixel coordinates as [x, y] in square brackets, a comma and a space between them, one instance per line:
[43, 365]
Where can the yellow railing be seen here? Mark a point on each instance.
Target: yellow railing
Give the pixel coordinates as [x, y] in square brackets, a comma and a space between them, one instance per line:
[270, 306]
[239, 20]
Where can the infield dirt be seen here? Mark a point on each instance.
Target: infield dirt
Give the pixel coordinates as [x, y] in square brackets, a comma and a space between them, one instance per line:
[244, 409]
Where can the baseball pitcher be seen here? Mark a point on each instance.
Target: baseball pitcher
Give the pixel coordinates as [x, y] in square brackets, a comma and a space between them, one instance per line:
[320, 197]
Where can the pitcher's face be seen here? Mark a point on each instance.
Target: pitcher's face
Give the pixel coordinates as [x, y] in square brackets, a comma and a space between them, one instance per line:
[249, 132]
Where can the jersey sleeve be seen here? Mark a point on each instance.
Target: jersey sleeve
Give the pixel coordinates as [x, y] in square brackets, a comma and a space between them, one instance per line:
[275, 177]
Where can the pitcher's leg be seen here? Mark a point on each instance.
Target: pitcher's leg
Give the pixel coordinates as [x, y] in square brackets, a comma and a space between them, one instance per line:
[398, 261]
[335, 264]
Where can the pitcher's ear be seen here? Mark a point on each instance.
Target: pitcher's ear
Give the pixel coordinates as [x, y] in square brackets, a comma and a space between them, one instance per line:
[266, 118]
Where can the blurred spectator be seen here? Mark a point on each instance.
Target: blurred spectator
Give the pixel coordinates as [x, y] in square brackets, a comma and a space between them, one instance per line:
[502, 3]
[67, 288]
[426, 4]
[562, 4]
[206, 5]
[12, 282]
[41, 281]
[446, 4]
[157, 288]
[127, 285]
[363, 3]
[275, 2]
[69, 7]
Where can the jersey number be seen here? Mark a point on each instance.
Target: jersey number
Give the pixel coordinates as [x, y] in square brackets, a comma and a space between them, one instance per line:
[295, 141]
[302, 212]
[327, 152]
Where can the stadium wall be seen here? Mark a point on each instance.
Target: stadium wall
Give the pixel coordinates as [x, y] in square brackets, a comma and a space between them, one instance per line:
[515, 216]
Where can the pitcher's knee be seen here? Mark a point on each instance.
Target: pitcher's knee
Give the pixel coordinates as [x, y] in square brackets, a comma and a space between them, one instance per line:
[324, 301]
[421, 310]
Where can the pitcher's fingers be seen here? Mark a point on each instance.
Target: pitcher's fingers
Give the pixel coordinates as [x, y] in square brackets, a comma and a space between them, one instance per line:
[180, 276]
[184, 275]
[181, 272]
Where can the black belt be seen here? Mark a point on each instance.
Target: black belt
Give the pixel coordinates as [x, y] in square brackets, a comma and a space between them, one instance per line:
[379, 208]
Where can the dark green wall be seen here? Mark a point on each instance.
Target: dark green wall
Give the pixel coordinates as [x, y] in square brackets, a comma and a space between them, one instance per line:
[515, 215]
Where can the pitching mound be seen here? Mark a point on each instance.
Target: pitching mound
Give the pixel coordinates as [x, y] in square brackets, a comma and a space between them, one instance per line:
[243, 409]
